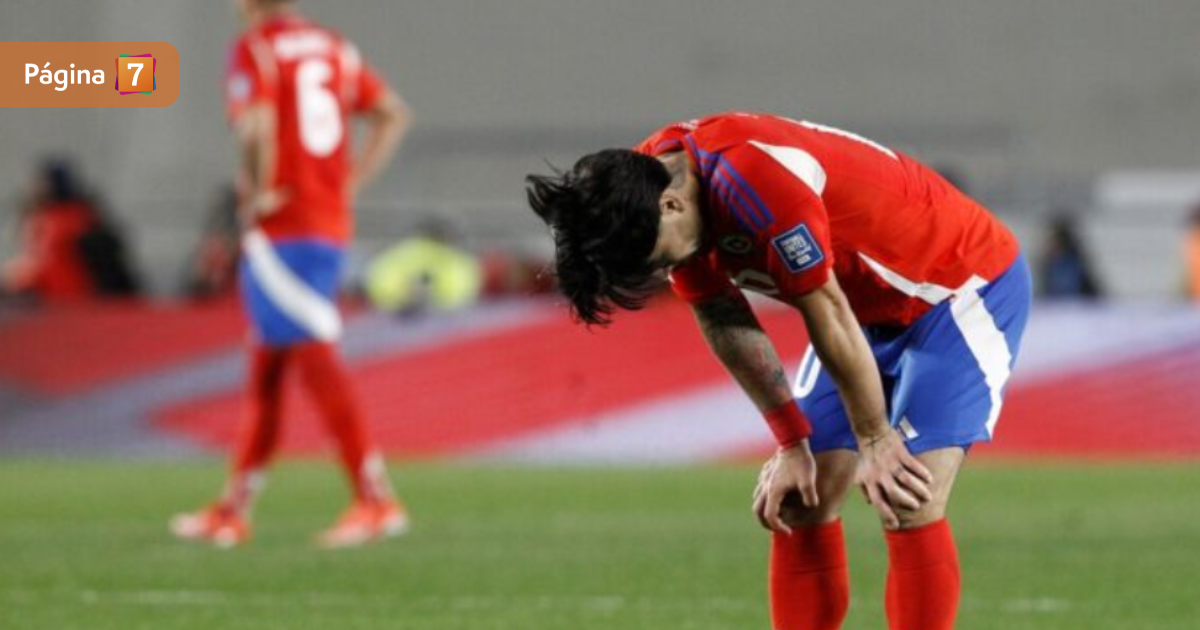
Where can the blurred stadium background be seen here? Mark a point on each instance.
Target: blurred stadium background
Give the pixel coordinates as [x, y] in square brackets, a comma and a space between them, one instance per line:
[1083, 110]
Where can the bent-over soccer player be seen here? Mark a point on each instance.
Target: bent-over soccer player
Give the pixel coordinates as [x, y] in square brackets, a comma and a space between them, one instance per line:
[914, 296]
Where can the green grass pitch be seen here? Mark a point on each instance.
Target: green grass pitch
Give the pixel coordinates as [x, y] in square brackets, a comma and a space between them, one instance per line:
[84, 545]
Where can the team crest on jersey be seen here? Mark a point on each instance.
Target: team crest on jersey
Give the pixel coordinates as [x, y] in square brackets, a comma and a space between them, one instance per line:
[737, 244]
[798, 249]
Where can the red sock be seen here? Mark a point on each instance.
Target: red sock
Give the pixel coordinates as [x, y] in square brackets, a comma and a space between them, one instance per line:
[329, 385]
[260, 430]
[809, 579]
[923, 579]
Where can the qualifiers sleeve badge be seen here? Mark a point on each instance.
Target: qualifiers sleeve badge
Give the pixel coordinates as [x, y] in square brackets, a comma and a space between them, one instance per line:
[136, 74]
[798, 249]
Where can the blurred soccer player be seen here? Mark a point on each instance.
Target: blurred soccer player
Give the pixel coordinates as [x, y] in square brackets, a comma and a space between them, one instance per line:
[293, 87]
[914, 296]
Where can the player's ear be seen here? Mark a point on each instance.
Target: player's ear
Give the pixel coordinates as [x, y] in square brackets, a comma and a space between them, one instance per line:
[670, 203]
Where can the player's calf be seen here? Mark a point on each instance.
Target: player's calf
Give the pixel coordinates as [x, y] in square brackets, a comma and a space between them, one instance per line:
[809, 581]
[924, 582]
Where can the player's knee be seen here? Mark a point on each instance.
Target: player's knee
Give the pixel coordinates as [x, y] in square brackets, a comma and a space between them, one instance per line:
[794, 513]
[930, 512]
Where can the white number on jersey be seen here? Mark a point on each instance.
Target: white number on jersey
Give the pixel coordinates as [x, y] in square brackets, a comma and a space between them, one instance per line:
[757, 281]
[321, 127]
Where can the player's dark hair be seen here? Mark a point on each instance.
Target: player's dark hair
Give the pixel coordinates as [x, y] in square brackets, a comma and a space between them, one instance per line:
[604, 217]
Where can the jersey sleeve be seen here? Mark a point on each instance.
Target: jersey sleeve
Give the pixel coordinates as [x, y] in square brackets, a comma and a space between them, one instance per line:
[364, 85]
[246, 82]
[777, 189]
[700, 280]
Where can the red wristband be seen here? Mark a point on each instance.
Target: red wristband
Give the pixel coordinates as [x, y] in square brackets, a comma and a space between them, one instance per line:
[788, 424]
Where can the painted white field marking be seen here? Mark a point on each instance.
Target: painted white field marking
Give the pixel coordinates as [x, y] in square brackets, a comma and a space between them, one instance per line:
[599, 603]
[1038, 605]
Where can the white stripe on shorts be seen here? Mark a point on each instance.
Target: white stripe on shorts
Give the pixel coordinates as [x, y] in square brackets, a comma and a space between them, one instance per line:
[986, 341]
[806, 378]
[298, 301]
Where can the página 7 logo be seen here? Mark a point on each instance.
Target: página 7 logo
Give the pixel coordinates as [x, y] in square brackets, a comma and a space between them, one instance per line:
[62, 78]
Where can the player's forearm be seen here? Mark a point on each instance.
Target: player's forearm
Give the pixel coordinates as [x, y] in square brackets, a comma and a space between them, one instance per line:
[847, 357]
[253, 172]
[389, 124]
[256, 131]
[738, 340]
[843, 350]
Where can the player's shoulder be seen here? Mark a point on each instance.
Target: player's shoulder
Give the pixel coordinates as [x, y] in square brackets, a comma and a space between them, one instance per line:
[331, 43]
[240, 44]
[736, 133]
[243, 54]
[334, 37]
[253, 43]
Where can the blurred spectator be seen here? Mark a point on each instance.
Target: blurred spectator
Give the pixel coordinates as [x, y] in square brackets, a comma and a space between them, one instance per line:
[1065, 268]
[68, 249]
[106, 255]
[423, 272]
[212, 269]
[1192, 254]
[433, 271]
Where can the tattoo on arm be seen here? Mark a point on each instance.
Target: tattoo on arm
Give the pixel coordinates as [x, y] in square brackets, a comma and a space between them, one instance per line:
[738, 340]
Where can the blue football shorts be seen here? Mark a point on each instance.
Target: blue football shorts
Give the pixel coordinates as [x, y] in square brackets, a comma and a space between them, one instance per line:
[944, 375]
[289, 289]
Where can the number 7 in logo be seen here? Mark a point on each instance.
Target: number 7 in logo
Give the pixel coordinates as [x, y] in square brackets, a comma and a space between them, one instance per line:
[130, 78]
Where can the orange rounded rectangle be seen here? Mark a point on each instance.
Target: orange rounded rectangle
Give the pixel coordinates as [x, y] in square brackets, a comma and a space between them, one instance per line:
[88, 74]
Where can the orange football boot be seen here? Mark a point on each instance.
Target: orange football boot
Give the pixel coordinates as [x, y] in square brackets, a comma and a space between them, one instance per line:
[218, 525]
[364, 522]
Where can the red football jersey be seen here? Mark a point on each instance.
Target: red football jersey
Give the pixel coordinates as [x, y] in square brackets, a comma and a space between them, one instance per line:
[315, 80]
[787, 202]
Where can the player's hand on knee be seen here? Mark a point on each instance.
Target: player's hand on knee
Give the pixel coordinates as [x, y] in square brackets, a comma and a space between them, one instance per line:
[764, 475]
[891, 478]
[760, 491]
[790, 470]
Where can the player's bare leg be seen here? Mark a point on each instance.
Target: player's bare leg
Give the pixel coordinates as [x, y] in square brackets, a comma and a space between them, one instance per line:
[808, 577]
[835, 474]
[923, 580]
